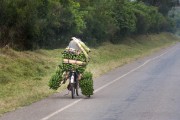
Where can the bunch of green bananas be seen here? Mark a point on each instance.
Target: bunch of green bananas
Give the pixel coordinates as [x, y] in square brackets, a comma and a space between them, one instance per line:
[81, 69]
[55, 81]
[68, 66]
[86, 84]
[74, 56]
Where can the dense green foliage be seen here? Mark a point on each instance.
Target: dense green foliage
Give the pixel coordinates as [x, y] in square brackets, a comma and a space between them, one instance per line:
[174, 15]
[30, 24]
[163, 5]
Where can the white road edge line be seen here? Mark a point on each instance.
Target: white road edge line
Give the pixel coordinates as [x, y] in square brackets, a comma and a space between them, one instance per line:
[75, 102]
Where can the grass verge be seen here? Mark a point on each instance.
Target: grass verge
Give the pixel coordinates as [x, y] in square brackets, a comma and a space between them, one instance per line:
[24, 76]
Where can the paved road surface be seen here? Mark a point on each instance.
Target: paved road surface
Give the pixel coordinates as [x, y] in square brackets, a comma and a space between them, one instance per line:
[147, 89]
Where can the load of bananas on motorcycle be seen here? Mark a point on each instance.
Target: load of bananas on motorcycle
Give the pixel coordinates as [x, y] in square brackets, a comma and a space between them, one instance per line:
[77, 61]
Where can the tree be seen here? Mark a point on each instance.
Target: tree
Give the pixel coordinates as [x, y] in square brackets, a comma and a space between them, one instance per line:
[100, 25]
[125, 17]
[31, 24]
[163, 5]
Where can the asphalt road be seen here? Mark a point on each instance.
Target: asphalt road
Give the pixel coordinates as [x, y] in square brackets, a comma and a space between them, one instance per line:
[146, 89]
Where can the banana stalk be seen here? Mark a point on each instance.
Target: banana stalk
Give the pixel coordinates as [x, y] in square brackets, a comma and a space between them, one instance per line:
[81, 44]
[84, 46]
[73, 62]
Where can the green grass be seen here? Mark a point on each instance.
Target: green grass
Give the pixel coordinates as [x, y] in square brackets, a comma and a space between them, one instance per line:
[110, 56]
[24, 76]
